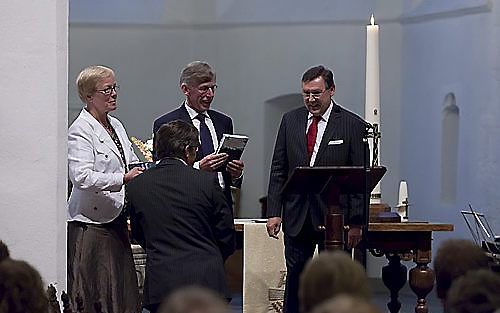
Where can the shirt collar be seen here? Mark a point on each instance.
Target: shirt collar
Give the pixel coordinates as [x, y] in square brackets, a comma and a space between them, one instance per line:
[192, 113]
[174, 158]
[325, 115]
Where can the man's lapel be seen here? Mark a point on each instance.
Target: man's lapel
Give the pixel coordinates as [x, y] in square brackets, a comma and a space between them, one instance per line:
[302, 135]
[183, 114]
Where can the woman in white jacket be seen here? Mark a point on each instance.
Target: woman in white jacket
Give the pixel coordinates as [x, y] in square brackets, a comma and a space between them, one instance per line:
[100, 264]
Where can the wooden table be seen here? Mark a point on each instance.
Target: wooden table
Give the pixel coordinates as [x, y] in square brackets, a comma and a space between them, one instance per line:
[402, 241]
[408, 241]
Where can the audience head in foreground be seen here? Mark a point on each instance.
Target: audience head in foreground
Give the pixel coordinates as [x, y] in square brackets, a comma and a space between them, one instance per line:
[328, 275]
[4, 251]
[346, 304]
[21, 288]
[454, 258]
[194, 300]
[476, 291]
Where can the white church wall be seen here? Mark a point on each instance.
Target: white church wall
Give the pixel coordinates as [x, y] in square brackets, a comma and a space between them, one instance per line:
[33, 128]
[443, 55]
[255, 60]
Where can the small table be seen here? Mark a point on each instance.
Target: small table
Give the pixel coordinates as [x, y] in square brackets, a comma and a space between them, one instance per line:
[396, 241]
[407, 241]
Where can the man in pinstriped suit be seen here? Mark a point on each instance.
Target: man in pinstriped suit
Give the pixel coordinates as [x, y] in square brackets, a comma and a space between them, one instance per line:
[180, 216]
[319, 134]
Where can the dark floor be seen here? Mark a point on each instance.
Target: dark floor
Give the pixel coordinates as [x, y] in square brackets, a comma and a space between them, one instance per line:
[381, 297]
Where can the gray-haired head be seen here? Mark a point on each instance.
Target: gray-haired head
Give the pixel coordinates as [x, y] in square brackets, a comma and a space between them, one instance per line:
[196, 73]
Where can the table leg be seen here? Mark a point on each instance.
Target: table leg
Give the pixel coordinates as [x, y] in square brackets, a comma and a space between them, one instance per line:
[421, 282]
[394, 277]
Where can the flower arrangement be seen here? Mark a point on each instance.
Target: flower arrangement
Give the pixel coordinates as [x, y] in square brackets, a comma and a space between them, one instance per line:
[146, 148]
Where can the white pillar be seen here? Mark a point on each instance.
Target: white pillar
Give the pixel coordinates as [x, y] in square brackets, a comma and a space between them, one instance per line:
[33, 128]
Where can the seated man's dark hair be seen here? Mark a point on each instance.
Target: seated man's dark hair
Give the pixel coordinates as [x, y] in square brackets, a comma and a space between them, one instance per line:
[172, 139]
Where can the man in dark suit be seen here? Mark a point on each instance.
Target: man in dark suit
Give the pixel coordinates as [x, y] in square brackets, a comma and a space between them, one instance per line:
[180, 216]
[198, 83]
[320, 134]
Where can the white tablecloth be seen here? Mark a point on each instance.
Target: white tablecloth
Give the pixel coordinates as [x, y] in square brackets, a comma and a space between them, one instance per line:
[263, 262]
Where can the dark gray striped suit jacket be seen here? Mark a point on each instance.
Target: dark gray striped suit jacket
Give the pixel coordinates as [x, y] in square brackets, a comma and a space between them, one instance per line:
[223, 124]
[290, 151]
[181, 218]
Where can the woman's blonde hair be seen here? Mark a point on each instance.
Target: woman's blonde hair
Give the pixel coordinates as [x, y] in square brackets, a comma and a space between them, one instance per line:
[89, 77]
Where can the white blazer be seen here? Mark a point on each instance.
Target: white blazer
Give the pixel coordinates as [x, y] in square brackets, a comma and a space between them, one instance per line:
[96, 169]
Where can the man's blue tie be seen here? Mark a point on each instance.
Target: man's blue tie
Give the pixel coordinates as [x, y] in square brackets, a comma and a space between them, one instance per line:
[207, 145]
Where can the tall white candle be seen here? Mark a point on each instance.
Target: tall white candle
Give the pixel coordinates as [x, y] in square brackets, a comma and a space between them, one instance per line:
[372, 92]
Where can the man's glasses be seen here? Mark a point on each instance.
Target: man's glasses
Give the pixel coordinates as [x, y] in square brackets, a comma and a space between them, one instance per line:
[205, 88]
[109, 90]
[314, 95]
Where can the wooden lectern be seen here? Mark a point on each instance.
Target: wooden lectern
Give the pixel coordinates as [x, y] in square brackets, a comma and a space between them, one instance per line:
[331, 182]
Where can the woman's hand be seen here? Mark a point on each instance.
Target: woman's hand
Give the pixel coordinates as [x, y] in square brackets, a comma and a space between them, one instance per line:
[131, 174]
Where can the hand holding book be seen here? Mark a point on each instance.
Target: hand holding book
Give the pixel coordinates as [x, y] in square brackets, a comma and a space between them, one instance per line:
[232, 145]
[213, 162]
[235, 168]
[228, 152]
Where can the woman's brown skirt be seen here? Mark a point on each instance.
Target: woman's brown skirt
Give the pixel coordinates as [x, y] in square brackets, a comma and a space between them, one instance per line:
[101, 268]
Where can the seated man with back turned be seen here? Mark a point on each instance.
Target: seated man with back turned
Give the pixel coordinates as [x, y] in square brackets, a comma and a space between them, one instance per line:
[180, 216]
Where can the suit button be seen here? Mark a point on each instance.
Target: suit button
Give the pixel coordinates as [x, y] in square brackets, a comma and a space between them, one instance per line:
[106, 156]
[95, 208]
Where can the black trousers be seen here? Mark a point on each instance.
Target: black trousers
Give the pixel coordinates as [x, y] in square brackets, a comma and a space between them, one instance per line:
[298, 250]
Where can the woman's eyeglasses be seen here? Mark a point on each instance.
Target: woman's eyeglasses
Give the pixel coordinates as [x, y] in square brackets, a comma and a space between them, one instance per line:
[109, 90]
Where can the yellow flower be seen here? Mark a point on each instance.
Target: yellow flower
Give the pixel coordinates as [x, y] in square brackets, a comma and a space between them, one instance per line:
[146, 148]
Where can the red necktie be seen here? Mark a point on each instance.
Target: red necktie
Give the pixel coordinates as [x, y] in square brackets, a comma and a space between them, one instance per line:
[312, 132]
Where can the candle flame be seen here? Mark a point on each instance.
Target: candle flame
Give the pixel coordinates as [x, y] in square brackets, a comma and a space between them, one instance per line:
[372, 20]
